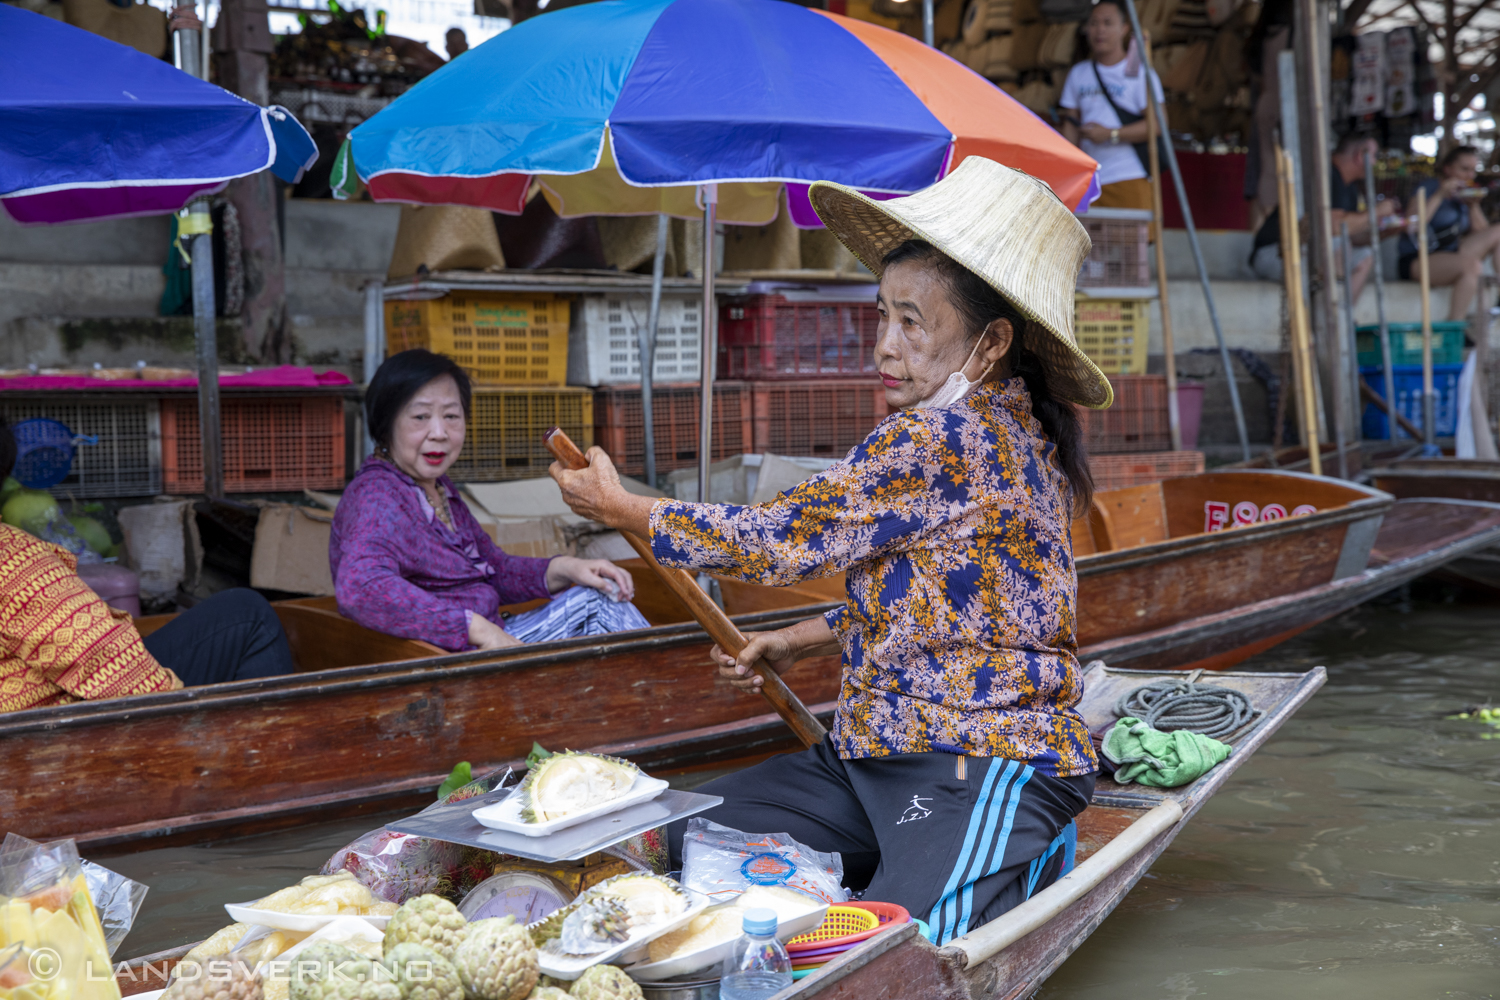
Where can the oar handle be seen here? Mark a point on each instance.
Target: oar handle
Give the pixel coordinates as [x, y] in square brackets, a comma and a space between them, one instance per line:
[708, 614]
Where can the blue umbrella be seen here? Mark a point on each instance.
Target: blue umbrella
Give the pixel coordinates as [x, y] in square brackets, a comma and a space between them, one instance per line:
[93, 129]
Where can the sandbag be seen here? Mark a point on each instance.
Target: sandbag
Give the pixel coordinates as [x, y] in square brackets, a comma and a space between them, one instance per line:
[444, 238]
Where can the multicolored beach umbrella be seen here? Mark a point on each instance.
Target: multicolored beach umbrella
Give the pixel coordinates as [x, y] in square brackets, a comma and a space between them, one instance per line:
[625, 107]
[91, 129]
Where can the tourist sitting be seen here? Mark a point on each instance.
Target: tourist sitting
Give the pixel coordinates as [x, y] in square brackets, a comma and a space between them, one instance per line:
[60, 643]
[1346, 207]
[408, 557]
[1459, 237]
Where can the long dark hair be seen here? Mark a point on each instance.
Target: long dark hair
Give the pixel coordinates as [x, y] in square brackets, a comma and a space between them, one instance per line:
[978, 305]
[400, 378]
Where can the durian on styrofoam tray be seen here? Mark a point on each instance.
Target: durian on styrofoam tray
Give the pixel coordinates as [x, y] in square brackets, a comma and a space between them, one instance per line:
[794, 916]
[570, 967]
[506, 814]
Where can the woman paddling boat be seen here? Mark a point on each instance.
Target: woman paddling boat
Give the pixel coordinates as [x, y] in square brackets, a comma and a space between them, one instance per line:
[957, 760]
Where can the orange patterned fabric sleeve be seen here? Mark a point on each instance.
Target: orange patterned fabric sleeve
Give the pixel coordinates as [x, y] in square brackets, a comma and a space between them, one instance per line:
[58, 641]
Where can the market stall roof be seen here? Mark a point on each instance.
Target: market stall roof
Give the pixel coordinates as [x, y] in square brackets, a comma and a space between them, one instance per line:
[94, 129]
[625, 106]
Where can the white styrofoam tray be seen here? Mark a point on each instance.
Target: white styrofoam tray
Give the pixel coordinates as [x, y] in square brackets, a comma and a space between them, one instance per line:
[570, 967]
[246, 913]
[704, 958]
[506, 814]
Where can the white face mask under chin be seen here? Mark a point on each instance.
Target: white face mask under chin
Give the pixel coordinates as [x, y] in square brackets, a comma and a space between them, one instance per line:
[957, 387]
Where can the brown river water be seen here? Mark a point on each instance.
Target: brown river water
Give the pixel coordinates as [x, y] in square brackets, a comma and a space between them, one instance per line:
[1356, 855]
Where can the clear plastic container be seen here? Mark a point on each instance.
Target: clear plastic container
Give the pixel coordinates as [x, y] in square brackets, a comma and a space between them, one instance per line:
[758, 968]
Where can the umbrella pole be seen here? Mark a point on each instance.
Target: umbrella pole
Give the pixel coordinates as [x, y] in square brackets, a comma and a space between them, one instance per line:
[1192, 232]
[1429, 420]
[647, 338]
[1168, 343]
[927, 26]
[709, 326]
[196, 227]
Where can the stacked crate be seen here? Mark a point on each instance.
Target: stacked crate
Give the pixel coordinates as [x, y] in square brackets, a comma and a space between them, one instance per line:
[514, 346]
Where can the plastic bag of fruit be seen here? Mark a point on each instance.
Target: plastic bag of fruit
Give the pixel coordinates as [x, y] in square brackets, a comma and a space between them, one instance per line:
[52, 944]
[116, 898]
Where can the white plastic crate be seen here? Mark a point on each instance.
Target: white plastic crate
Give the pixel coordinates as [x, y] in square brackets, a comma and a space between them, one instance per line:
[604, 340]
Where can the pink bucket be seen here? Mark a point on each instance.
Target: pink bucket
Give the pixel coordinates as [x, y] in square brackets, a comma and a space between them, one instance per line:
[116, 586]
[1189, 412]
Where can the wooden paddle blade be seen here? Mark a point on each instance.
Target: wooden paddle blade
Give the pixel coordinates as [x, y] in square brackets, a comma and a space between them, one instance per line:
[708, 614]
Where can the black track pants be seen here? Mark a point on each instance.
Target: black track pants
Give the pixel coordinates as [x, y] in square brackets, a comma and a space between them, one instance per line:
[956, 840]
[232, 636]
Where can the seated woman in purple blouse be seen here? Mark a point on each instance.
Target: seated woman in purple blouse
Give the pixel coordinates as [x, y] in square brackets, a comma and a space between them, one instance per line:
[410, 560]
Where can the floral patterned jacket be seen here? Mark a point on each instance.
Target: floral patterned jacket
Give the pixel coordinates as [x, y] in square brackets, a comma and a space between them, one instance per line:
[960, 629]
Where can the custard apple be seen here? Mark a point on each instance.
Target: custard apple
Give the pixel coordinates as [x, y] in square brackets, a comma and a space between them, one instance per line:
[423, 974]
[328, 971]
[430, 921]
[605, 982]
[497, 960]
[548, 993]
[215, 979]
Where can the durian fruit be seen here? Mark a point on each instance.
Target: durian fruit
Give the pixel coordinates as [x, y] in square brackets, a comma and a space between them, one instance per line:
[497, 960]
[713, 926]
[605, 982]
[327, 971]
[594, 926]
[217, 979]
[382, 908]
[423, 974]
[217, 944]
[646, 901]
[571, 782]
[430, 921]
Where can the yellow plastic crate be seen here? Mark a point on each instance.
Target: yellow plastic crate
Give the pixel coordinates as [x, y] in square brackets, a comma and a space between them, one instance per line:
[498, 338]
[504, 436]
[1114, 333]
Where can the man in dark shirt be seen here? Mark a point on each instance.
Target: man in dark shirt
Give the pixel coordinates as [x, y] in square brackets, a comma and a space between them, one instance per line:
[1347, 205]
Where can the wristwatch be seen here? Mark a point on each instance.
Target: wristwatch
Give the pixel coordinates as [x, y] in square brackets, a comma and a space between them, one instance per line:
[1114, 137]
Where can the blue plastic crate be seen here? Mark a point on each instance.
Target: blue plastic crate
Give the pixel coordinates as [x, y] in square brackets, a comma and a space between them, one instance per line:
[1408, 380]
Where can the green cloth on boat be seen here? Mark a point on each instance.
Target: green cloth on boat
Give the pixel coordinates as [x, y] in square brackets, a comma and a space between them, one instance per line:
[1148, 756]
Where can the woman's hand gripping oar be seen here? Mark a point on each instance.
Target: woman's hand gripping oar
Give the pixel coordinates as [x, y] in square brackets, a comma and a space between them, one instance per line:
[708, 614]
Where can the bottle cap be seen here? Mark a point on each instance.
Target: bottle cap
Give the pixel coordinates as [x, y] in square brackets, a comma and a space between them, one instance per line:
[761, 921]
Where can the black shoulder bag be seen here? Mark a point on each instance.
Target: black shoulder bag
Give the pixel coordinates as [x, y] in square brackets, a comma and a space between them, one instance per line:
[1142, 149]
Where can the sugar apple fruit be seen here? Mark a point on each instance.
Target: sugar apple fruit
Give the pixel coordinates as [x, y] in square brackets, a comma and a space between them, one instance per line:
[215, 979]
[423, 974]
[430, 921]
[497, 960]
[605, 982]
[548, 993]
[571, 782]
[328, 971]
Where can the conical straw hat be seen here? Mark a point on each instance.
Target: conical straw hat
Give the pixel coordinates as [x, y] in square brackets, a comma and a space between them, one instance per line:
[1005, 226]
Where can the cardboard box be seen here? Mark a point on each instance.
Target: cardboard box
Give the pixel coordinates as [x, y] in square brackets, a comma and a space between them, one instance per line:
[291, 550]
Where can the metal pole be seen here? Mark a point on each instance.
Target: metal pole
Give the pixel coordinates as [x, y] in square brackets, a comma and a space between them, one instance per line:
[1168, 342]
[197, 227]
[1187, 220]
[1384, 332]
[709, 325]
[1350, 368]
[1429, 425]
[927, 29]
[374, 343]
[647, 339]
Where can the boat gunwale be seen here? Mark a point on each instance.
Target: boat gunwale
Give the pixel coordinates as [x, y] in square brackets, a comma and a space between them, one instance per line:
[1484, 470]
[364, 677]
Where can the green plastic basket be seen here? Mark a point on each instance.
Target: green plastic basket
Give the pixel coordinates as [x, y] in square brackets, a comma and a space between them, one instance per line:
[1406, 343]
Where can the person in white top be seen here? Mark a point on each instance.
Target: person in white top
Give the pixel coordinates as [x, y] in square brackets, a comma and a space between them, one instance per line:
[1103, 107]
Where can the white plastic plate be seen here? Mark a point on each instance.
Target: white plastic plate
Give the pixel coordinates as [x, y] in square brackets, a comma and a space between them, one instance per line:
[704, 958]
[572, 966]
[246, 913]
[506, 814]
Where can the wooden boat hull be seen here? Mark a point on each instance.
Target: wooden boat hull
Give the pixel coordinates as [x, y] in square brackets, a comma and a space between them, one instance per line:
[1456, 479]
[361, 738]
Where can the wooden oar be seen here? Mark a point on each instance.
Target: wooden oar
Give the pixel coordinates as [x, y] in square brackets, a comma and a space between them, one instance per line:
[708, 614]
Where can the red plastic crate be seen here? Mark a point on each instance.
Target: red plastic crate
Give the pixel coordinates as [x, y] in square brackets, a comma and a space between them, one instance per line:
[819, 419]
[1137, 421]
[270, 445]
[772, 337]
[1116, 472]
[620, 430]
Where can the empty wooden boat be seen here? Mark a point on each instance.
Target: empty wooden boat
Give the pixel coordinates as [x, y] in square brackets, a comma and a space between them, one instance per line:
[1453, 479]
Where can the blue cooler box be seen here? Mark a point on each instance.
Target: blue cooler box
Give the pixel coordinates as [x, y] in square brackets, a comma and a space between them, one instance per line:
[1409, 399]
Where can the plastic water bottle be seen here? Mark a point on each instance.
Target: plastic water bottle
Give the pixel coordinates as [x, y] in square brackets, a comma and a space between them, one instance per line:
[758, 968]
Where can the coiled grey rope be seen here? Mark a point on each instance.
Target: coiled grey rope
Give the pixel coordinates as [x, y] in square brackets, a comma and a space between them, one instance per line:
[1167, 706]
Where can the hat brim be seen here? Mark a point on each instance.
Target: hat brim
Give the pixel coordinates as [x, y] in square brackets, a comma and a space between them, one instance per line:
[871, 229]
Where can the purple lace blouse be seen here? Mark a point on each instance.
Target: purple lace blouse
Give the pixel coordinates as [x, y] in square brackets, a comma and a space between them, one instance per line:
[398, 569]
